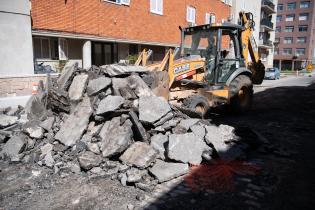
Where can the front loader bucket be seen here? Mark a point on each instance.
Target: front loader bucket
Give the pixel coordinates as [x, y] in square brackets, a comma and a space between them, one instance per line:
[258, 70]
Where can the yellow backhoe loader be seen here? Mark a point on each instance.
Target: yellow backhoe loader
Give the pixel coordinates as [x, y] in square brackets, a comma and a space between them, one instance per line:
[216, 64]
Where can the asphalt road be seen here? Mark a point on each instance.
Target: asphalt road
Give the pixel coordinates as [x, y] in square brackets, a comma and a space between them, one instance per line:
[286, 81]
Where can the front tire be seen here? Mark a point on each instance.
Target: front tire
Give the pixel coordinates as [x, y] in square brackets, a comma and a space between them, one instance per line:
[197, 103]
[241, 94]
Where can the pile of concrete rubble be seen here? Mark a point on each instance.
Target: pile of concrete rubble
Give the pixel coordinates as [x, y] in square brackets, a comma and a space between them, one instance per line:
[108, 122]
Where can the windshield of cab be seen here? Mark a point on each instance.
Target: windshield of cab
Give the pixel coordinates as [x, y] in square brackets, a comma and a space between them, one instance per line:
[200, 43]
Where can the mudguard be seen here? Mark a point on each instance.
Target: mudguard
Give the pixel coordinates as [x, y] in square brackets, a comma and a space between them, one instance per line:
[239, 71]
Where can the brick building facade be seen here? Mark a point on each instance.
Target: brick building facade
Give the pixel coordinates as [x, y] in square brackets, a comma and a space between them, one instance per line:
[106, 31]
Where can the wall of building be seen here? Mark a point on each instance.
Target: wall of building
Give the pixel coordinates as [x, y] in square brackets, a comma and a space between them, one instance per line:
[133, 22]
[16, 51]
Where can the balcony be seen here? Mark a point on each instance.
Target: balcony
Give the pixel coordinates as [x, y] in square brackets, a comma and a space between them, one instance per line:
[266, 25]
[268, 6]
[265, 43]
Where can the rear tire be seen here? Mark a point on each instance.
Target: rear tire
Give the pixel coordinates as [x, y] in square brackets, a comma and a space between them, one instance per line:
[197, 103]
[241, 94]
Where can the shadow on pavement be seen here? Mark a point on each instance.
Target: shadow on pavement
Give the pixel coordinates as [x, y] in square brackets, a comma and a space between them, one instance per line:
[279, 167]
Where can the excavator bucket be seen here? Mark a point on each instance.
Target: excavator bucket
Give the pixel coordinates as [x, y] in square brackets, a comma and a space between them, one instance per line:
[258, 70]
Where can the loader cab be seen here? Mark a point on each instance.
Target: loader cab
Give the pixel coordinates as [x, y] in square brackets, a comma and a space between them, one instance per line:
[219, 45]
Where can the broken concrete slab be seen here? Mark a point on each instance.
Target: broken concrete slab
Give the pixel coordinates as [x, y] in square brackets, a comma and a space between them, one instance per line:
[117, 70]
[186, 148]
[33, 129]
[187, 123]
[165, 171]
[139, 154]
[48, 123]
[140, 132]
[66, 77]
[134, 175]
[95, 86]
[35, 107]
[14, 146]
[164, 119]
[73, 128]
[109, 104]
[198, 130]
[93, 147]
[47, 148]
[159, 143]
[139, 86]
[6, 120]
[77, 87]
[218, 136]
[88, 160]
[49, 160]
[152, 108]
[115, 137]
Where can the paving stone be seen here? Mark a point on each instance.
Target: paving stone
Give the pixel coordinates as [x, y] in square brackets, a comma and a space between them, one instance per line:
[77, 87]
[186, 148]
[165, 171]
[139, 154]
[109, 104]
[152, 108]
[73, 128]
[95, 86]
[115, 138]
[89, 160]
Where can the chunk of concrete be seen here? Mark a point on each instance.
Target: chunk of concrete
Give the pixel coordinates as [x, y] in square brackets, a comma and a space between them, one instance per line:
[134, 175]
[47, 148]
[187, 123]
[93, 147]
[48, 123]
[117, 70]
[35, 131]
[139, 154]
[35, 108]
[77, 87]
[73, 128]
[198, 130]
[139, 86]
[66, 77]
[49, 160]
[186, 148]
[14, 146]
[6, 120]
[140, 132]
[115, 138]
[152, 108]
[158, 142]
[109, 104]
[218, 136]
[89, 160]
[165, 171]
[95, 86]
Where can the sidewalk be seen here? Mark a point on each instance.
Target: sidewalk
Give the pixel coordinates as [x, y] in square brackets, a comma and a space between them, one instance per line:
[13, 101]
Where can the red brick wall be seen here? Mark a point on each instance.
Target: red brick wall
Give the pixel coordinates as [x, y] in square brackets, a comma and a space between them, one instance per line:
[96, 17]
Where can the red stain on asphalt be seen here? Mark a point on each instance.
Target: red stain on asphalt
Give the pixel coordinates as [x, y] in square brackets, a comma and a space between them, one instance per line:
[218, 176]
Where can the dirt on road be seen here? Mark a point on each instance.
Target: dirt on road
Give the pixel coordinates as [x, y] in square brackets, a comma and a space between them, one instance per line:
[282, 116]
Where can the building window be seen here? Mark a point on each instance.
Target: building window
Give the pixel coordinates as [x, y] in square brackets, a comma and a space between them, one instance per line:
[125, 2]
[305, 4]
[280, 7]
[63, 49]
[301, 40]
[289, 29]
[156, 6]
[279, 18]
[277, 40]
[276, 51]
[278, 29]
[303, 16]
[292, 6]
[300, 51]
[288, 40]
[210, 18]
[287, 51]
[302, 28]
[290, 17]
[191, 14]
[42, 48]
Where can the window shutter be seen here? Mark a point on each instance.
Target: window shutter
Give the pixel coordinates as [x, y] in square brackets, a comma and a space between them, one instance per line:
[125, 2]
[207, 21]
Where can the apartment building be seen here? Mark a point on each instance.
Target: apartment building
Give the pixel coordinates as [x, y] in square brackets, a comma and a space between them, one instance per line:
[97, 32]
[264, 14]
[295, 34]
